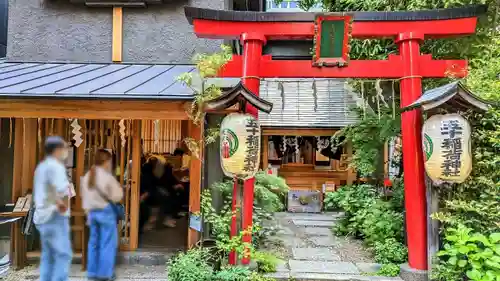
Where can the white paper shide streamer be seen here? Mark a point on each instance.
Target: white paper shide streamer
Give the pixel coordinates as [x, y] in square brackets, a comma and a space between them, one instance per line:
[122, 132]
[77, 135]
[157, 132]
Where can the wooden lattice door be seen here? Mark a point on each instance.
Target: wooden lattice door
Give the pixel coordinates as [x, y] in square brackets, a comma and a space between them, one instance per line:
[122, 138]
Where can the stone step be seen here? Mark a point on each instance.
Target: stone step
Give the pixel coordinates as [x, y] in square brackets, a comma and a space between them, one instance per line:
[315, 254]
[313, 223]
[147, 258]
[144, 258]
[285, 276]
[297, 266]
[317, 231]
[314, 217]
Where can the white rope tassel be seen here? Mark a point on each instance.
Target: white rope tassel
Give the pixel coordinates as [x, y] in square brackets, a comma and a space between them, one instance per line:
[122, 132]
[380, 93]
[157, 132]
[315, 95]
[77, 135]
[282, 93]
[363, 99]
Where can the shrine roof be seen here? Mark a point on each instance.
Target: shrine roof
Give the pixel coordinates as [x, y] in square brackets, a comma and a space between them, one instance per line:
[94, 80]
[249, 16]
[453, 95]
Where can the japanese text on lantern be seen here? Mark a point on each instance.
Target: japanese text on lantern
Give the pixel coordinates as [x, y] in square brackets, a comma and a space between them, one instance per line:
[240, 145]
[451, 131]
[252, 141]
[447, 147]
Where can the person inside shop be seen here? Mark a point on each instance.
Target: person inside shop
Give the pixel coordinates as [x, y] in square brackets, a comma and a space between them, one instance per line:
[183, 178]
[158, 189]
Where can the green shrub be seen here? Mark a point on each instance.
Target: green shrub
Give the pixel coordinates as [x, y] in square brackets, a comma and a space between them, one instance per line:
[190, 266]
[390, 270]
[381, 222]
[331, 201]
[267, 263]
[368, 215]
[468, 254]
[390, 251]
[233, 273]
[269, 194]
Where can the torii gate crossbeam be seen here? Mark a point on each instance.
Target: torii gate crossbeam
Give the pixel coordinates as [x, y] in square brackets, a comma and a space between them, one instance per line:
[408, 29]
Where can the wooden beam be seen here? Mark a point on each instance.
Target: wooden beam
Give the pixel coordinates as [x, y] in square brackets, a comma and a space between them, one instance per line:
[136, 182]
[195, 181]
[298, 132]
[17, 173]
[29, 154]
[93, 109]
[117, 43]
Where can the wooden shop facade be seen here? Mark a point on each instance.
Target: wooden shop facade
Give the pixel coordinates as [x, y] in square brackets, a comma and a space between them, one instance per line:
[95, 118]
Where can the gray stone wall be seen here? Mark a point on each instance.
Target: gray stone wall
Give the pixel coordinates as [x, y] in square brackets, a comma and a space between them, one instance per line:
[59, 31]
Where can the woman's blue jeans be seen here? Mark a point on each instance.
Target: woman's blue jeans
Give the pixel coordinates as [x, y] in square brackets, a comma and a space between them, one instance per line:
[103, 243]
[55, 260]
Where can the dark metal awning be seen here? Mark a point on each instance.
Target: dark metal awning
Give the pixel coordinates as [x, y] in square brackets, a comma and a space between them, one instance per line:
[93, 80]
[453, 95]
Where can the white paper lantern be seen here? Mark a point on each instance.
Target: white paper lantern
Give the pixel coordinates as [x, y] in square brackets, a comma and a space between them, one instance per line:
[447, 148]
[240, 145]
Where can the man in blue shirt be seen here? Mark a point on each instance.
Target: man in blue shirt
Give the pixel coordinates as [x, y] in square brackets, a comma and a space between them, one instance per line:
[51, 193]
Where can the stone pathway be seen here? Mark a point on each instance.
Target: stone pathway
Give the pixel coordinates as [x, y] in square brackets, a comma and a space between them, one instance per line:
[123, 272]
[312, 253]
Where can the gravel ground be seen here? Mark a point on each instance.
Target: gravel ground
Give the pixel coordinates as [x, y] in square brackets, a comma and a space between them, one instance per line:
[124, 273]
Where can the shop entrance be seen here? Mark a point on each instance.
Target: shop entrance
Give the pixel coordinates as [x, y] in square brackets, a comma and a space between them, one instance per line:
[114, 125]
[165, 186]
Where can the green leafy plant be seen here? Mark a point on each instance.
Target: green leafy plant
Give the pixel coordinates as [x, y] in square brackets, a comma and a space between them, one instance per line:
[382, 223]
[268, 199]
[266, 262]
[190, 266]
[331, 201]
[233, 273]
[207, 66]
[269, 194]
[368, 137]
[390, 251]
[390, 270]
[468, 254]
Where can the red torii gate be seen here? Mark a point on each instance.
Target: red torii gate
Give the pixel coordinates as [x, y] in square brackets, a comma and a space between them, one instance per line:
[408, 29]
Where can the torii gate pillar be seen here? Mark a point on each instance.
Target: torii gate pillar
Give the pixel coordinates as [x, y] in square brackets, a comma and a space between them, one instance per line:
[413, 162]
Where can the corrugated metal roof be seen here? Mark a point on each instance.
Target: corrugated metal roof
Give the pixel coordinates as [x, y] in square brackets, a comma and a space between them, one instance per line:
[150, 81]
[294, 103]
[84, 80]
